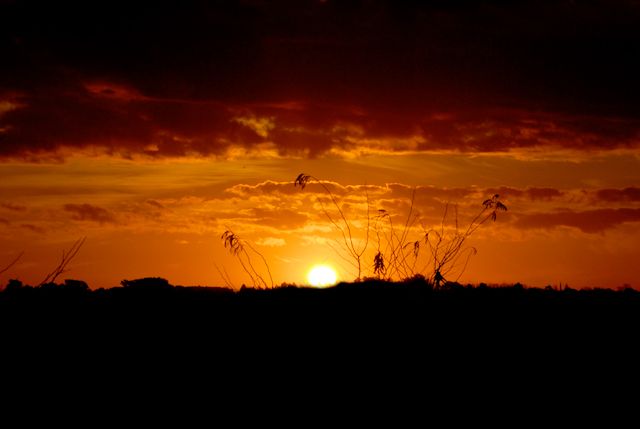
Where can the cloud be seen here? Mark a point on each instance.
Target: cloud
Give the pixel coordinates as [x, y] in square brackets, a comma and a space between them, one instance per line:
[114, 91]
[271, 242]
[631, 194]
[13, 207]
[155, 203]
[543, 193]
[369, 77]
[121, 120]
[7, 106]
[429, 192]
[280, 218]
[270, 187]
[588, 221]
[261, 126]
[88, 212]
[531, 194]
[530, 208]
[32, 228]
[396, 196]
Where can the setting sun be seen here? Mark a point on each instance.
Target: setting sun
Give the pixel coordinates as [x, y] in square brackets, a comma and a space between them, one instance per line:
[321, 276]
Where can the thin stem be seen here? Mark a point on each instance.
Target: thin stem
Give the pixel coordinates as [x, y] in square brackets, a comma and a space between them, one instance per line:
[12, 263]
[67, 257]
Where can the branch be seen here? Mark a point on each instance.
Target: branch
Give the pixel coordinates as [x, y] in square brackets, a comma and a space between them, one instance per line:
[67, 257]
[12, 263]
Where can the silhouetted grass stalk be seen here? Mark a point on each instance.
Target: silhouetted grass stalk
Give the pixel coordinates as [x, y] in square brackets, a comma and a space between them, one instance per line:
[11, 264]
[448, 253]
[347, 243]
[396, 254]
[237, 248]
[67, 257]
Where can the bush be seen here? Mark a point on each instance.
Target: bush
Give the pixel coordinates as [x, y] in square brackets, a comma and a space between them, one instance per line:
[147, 283]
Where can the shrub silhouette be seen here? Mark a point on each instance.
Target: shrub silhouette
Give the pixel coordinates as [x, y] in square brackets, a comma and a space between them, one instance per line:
[13, 285]
[76, 285]
[146, 283]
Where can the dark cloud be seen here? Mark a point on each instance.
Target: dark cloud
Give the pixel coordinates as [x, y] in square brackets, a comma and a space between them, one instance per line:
[533, 194]
[155, 204]
[33, 228]
[427, 192]
[76, 118]
[87, 212]
[543, 193]
[618, 195]
[13, 207]
[169, 80]
[589, 221]
[165, 127]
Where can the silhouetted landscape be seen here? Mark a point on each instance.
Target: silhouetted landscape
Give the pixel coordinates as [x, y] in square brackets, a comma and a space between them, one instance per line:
[373, 305]
[376, 339]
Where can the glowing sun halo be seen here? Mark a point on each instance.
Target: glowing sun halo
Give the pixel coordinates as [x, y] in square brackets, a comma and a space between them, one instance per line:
[321, 276]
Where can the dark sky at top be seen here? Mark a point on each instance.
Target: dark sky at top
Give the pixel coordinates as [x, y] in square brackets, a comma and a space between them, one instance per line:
[575, 59]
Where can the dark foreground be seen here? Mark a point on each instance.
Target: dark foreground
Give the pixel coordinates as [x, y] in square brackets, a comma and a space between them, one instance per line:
[377, 342]
[371, 312]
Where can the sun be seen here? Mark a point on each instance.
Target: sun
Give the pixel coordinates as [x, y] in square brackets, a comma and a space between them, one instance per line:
[321, 276]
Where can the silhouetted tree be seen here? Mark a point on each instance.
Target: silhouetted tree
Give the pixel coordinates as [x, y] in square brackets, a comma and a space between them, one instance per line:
[13, 284]
[76, 285]
[146, 283]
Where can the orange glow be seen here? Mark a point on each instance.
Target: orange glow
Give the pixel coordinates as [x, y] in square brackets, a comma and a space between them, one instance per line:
[149, 218]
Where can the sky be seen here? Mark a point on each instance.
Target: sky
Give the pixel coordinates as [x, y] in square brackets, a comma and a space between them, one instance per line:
[151, 129]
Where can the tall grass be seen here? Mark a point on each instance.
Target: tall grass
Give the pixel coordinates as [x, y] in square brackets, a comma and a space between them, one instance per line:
[341, 223]
[238, 248]
[62, 267]
[398, 247]
[439, 254]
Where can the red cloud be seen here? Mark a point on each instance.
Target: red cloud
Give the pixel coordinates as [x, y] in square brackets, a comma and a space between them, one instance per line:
[13, 207]
[89, 213]
[589, 221]
[155, 204]
[120, 119]
[33, 228]
[533, 194]
[543, 193]
[385, 74]
[619, 195]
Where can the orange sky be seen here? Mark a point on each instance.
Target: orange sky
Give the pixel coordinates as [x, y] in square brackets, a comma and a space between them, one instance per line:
[152, 142]
[165, 218]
